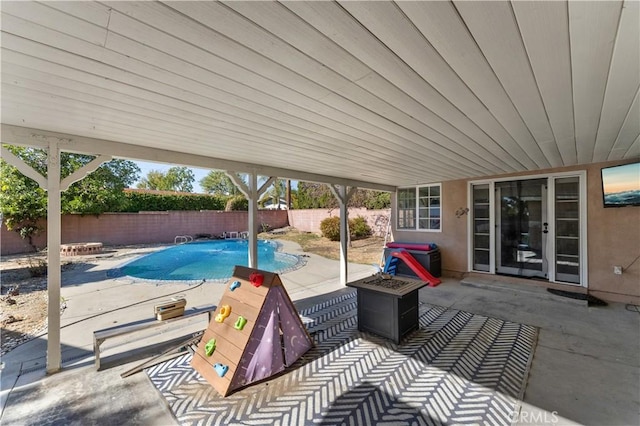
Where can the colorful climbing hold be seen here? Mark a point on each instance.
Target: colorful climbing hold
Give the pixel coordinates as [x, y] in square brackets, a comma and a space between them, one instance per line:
[221, 369]
[225, 311]
[235, 285]
[210, 347]
[240, 323]
[256, 279]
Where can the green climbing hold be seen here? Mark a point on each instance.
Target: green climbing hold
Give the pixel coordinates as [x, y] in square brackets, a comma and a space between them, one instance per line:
[210, 347]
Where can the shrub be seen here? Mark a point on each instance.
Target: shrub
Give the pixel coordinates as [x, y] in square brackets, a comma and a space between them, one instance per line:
[141, 201]
[330, 228]
[238, 202]
[359, 228]
[37, 267]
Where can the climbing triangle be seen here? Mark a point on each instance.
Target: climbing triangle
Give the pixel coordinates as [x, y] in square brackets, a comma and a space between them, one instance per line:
[271, 338]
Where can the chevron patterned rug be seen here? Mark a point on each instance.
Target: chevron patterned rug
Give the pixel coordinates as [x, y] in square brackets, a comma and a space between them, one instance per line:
[457, 368]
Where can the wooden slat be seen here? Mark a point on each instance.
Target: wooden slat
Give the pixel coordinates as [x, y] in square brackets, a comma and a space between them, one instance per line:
[58, 56]
[406, 109]
[122, 92]
[440, 23]
[387, 22]
[623, 74]
[332, 106]
[340, 27]
[634, 149]
[624, 145]
[204, 367]
[229, 347]
[139, 109]
[164, 130]
[89, 11]
[41, 14]
[121, 125]
[401, 93]
[123, 61]
[283, 23]
[494, 28]
[592, 26]
[29, 136]
[548, 49]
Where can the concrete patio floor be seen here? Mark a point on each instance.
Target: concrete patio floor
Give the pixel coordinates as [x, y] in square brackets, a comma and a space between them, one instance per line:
[585, 369]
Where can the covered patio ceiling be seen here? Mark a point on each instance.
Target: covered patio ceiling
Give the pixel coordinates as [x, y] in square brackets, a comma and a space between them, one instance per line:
[381, 94]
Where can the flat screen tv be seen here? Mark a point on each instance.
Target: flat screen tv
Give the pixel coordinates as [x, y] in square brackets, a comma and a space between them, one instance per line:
[621, 185]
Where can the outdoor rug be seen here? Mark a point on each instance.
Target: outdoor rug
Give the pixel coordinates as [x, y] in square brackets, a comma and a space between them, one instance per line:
[457, 368]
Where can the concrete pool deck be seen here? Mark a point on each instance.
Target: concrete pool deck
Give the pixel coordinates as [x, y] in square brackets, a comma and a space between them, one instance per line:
[585, 368]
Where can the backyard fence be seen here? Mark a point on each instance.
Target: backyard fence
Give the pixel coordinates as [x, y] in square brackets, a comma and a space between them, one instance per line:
[142, 228]
[309, 220]
[113, 229]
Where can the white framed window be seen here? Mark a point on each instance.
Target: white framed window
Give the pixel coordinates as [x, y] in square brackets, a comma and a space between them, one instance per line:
[418, 208]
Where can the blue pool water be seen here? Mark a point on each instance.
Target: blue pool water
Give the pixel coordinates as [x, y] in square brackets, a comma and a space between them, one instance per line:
[209, 260]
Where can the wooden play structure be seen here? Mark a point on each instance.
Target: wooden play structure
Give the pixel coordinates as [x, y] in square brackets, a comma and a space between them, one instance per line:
[255, 333]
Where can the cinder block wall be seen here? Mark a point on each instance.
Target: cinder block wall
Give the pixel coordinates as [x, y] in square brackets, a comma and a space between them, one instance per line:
[141, 228]
[309, 220]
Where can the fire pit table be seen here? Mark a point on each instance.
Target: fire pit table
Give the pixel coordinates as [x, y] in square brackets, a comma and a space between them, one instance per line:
[387, 305]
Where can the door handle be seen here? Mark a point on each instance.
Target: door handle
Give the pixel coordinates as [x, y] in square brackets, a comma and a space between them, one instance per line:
[546, 228]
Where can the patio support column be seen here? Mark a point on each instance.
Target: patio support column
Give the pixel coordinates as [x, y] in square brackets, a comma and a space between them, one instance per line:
[54, 358]
[343, 195]
[253, 193]
[54, 188]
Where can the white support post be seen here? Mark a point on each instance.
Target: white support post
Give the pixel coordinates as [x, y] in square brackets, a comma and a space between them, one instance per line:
[54, 353]
[343, 195]
[252, 192]
[54, 188]
[253, 220]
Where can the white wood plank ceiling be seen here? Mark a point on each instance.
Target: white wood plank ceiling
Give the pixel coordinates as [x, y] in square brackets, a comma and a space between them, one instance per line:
[392, 93]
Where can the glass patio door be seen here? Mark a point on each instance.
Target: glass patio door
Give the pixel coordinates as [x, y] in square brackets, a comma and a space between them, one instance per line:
[522, 228]
[567, 229]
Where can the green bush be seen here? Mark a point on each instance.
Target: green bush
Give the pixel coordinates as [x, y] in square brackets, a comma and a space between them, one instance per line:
[238, 202]
[140, 201]
[359, 228]
[330, 228]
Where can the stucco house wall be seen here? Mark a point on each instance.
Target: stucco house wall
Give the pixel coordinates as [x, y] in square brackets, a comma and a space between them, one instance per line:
[613, 236]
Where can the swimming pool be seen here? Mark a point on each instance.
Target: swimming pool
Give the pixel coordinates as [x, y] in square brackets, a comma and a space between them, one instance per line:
[209, 260]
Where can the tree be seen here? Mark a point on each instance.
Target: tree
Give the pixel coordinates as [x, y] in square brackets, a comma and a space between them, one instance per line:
[23, 202]
[175, 179]
[274, 193]
[218, 183]
[314, 196]
[102, 190]
[319, 196]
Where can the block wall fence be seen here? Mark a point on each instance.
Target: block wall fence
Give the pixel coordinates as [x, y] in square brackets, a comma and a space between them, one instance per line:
[113, 229]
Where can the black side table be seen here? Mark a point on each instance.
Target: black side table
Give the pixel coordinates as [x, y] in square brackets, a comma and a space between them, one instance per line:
[387, 305]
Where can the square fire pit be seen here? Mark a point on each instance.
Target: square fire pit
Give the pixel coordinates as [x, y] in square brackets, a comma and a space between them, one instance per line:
[387, 305]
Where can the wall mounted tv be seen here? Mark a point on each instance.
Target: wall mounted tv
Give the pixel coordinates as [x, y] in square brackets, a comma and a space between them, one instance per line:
[621, 185]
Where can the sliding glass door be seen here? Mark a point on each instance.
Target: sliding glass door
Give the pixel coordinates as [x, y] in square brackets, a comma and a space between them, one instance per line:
[522, 227]
[529, 228]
